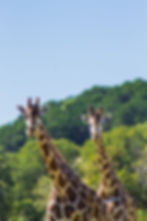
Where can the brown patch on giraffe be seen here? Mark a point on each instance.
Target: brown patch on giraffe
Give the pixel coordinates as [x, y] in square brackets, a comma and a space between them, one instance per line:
[61, 199]
[68, 211]
[53, 165]
[105, 166]
[61, 180]
[66, 170]
[81, 204]
[56, 210]
[103, 195]
[117, 203]
[96, 212]
[116, 192]
[83, 194]
[75, 183]
[45, 148]
[71, 194]
[91, 193]
[108, 174]
[98, 201]
[41, 137]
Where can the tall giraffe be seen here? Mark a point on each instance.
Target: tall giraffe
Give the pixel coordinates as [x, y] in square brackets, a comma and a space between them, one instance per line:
[70, 198]
[118, 202]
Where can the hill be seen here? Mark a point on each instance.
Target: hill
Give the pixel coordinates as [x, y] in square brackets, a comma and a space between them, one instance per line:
[24, 183]
[127, 103]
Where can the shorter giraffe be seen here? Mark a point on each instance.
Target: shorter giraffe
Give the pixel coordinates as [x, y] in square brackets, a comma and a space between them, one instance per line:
[119, 204]
[70, 198]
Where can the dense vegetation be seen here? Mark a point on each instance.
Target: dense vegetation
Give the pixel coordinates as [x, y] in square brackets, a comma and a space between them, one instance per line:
[127, 103]
[24, 183]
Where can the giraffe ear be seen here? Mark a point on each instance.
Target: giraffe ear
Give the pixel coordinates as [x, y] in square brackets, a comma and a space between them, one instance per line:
[21, 109]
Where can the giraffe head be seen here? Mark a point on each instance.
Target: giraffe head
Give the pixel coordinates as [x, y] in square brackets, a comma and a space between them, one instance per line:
[31, 114]
[95, 122]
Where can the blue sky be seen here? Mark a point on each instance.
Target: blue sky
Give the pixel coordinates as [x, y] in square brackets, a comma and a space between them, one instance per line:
[54, 49]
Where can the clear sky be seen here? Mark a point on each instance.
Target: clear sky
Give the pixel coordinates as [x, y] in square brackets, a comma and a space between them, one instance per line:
[57, 48]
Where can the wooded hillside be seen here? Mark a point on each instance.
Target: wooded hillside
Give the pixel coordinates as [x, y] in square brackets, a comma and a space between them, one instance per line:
[127, 104]
[24, 182]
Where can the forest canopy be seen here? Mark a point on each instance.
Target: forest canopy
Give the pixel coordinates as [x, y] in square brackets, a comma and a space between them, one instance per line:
[127, 103]
[24, 182]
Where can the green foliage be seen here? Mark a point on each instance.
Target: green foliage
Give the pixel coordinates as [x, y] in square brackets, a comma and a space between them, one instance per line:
[127, 103]
[27, 168]
[25, 185]
[24, 182]
[12, 136]
[142, 215]
[5, 186]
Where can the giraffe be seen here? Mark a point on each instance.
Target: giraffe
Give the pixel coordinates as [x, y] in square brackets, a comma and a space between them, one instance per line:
[119, 204]
[70, 198]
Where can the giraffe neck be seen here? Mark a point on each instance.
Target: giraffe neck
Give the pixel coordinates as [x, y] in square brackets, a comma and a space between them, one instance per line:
[109, 179]
[70, 188]
[112, 189]
[71, 192]
[58, 170]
